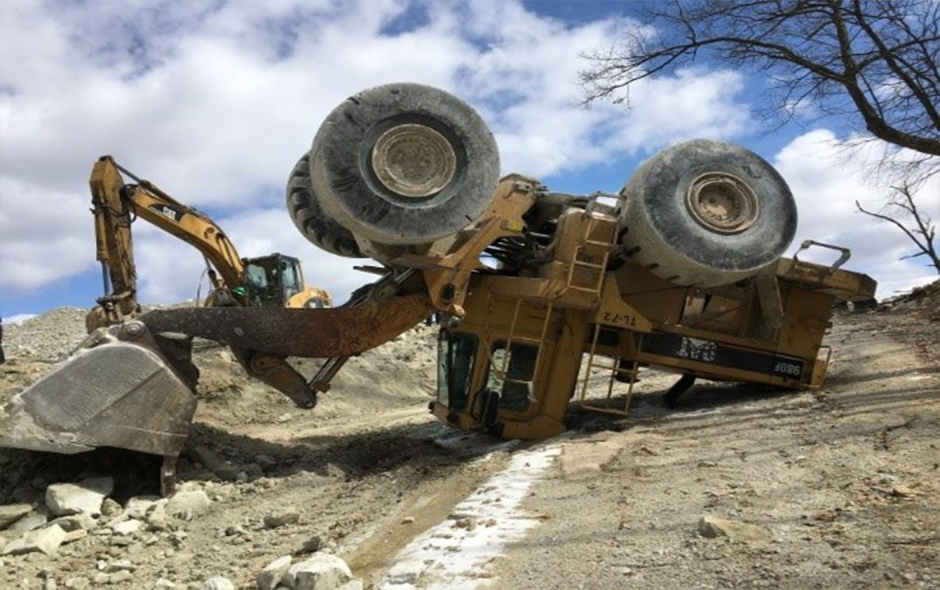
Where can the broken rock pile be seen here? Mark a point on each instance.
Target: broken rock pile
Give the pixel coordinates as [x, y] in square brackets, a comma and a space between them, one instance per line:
[83, 510]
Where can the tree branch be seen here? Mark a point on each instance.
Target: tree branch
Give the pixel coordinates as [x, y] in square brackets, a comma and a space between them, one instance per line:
[884, 70]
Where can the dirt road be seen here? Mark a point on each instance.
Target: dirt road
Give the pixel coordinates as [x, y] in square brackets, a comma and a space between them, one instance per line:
[842, 484]
[844, 481]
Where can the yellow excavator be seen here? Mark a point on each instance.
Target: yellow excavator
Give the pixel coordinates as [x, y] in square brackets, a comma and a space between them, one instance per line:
[540, 294]
[276, 279]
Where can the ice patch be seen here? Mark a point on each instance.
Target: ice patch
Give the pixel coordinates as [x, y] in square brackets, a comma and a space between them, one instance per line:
[457, 553]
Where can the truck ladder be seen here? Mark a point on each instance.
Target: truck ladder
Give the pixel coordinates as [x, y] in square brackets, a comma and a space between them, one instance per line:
[587, 261]
[513, 337]
[615, 370]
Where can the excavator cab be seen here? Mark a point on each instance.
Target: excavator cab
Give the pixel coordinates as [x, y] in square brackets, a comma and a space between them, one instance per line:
[277, 280]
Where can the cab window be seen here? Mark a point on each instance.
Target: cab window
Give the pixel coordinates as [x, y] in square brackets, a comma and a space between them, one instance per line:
[290, 278]
[260, 286]
[513, 387]
[456, 353]
[255, 276]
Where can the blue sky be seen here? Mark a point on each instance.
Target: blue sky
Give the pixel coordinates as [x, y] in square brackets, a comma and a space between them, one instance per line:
[214, 102]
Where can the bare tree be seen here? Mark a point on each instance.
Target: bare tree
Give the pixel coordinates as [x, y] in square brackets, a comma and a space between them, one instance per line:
[869, 64]
[902, 212]
[875, 59]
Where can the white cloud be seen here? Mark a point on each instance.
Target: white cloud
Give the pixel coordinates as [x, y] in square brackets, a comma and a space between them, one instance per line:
[215, 102]
[19, 318]
[46, 233]
[826, 178]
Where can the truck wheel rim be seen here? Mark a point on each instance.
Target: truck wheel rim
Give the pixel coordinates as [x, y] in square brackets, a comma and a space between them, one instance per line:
[413, 160]
[722, 202]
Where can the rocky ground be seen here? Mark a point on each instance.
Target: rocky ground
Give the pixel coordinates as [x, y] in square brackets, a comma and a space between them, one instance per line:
[836, 488]
[742, 487]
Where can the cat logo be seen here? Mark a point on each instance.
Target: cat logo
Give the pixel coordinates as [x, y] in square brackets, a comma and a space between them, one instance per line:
[697, 350]
[168, 212]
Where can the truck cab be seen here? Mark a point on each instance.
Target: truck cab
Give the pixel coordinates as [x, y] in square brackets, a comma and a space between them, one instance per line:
[581, 329]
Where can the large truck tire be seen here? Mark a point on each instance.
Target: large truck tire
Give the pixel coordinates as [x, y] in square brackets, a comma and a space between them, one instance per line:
[310, 218]
[706, 213]
[404, 164]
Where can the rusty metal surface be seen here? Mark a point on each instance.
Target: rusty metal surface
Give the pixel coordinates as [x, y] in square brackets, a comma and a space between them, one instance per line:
[311, 333]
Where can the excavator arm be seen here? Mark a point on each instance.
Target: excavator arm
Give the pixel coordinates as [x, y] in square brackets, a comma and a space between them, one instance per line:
[116, 204]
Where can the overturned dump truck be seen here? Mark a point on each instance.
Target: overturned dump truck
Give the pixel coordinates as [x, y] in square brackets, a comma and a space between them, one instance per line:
[537, 291]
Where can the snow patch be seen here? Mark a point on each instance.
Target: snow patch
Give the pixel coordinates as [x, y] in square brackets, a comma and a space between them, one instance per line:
[457, 553]
[474, 444]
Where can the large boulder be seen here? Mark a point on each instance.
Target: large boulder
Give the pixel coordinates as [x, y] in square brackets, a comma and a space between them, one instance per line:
[188, 504]
[270, 576]
[219, 583]
[321, 572]
[83, 497]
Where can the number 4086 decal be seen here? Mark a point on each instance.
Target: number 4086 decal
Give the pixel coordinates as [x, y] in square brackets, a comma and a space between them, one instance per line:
[788, 368]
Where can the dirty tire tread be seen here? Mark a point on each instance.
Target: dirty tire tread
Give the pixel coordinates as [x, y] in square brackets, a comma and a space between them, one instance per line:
[350, 191]
[663, 232]
[310, 218]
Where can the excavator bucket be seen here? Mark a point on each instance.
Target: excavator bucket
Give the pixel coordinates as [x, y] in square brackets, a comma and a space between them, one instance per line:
[125, 392]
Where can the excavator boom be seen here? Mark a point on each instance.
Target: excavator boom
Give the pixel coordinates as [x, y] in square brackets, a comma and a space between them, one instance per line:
[116, 205]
